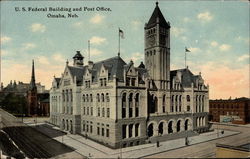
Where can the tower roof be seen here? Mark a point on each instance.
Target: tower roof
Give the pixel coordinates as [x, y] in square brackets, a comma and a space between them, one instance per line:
[78, 55]
[33, 80]
[157, 15]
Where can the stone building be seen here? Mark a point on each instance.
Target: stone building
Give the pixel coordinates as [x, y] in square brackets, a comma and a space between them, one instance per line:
[119, 104]
[236, 110]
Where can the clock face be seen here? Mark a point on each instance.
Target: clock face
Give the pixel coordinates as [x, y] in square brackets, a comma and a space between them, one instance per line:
[151, 40]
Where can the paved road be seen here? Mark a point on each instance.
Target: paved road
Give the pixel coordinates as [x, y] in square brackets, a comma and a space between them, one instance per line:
[208, 149]
[33, 143]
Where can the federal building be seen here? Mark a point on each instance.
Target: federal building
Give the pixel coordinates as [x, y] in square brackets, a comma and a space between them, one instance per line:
[119, 104]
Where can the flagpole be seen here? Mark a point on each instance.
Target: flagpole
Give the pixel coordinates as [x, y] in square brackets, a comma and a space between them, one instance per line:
[119, 42]
[89, 48]
[185, 58]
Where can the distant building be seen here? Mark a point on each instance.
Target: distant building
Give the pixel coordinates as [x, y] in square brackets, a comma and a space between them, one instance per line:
[120, 104]
[232, 110]
[38, 103]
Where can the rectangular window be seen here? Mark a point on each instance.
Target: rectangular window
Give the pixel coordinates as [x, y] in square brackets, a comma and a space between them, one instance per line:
[83, 127]
[124, 131]
[102, 131]
[83, 110]
[127, 81]
[107, 132]
[130, 130]
[91, 110]
[91, 128]
[87, 128]
[87, 110]
[133, 81]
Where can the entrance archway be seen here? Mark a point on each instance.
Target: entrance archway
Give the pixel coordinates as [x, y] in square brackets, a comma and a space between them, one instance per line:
[170, 127]
[150, 130]
[160, 128]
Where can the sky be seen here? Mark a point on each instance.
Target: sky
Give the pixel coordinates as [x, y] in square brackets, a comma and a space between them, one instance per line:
[216, 33]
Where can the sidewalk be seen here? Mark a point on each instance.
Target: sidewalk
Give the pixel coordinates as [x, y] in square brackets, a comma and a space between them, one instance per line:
[92, 149]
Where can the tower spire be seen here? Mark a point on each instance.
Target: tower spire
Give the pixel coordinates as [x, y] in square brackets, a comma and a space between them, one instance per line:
[33, 80]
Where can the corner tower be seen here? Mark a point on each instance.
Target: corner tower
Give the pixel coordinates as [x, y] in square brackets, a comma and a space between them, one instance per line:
[157, 48]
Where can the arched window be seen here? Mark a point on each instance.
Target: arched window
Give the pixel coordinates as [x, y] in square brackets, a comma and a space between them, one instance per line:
[83, 98]
[164, 104]
[107, 97]
[130, 103]
[98, 97]
[103, 97]
[137, 105]
[176, 103]
[87, 98]
[91, 98]
[186, 125]
[123, 105]
[180, 105]
[188, 98]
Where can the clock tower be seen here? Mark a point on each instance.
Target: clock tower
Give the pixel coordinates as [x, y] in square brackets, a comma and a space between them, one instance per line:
[157, 49]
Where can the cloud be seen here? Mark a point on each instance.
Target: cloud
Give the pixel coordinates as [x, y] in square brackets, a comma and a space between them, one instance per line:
[78, 24]
[58, 57]
[37, 27]
[214, 43]
[136, 57]
[225, 47]
[97, 40]
[5, 39]
[243, 57]
[194, 49]
[94, 51]
[186, 19]
[4, 52]
[205, 16]
[236, 80]
[97, 19]
[177, 31]
[136, 24]
[43, 60]
[27, 46]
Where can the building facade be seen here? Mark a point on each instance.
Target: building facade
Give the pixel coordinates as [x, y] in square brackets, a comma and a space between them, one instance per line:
[236, 111]
[119, 105]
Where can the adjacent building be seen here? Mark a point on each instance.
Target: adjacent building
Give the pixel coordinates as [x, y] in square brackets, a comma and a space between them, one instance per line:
[120, 104]
[38, 103]
[236, 110]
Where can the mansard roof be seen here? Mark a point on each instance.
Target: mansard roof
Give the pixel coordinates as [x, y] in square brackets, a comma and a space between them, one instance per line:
[153, 19]
[77, 72]
[114, 66]
[187, 77]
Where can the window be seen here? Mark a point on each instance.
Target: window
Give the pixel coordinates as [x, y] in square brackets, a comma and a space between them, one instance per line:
[83, 110]
[102, 131]
[188, 108]
[103, 112]
[91, 98]
[98, 97]
[137, 105]
[87, 128]
[130, 105]
[130, 130]
[124, 131]
[133, 81]
[108, 113]
[105, 82]
[124, 105]
[102, 97]
[136, 130]
[127, 81]
[98, 113]
[101, 82]
[91, 111]
[83, 126]
[107, 97]
[98, 130]
[188, 98]
[107, 132]
[91, 128]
